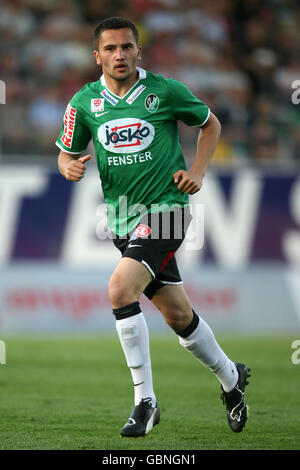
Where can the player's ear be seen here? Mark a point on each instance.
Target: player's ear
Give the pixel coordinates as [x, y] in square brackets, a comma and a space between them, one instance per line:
[139, 53]
[97, 57]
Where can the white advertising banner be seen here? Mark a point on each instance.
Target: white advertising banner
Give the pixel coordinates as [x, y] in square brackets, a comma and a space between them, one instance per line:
[52, 298]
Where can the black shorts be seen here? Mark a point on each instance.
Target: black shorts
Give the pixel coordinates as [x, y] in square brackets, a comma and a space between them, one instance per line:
[154, 242]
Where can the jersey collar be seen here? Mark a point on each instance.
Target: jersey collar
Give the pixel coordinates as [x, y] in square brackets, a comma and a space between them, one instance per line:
[142, 75]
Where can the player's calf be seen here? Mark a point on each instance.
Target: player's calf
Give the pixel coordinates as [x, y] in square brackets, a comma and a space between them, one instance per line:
[134, 337]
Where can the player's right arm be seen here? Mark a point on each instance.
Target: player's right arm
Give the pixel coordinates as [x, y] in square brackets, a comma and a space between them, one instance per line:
[71, 168]
[72, 141]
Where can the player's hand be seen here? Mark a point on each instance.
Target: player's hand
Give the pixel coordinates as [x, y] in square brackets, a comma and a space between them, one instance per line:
[75, 169]
[190, 182]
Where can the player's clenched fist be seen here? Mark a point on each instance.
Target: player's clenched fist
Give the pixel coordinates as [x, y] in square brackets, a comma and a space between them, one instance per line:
[75, 169]
[190, 181]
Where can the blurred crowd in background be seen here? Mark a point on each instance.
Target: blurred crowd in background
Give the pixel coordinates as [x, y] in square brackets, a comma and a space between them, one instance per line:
[241, 57]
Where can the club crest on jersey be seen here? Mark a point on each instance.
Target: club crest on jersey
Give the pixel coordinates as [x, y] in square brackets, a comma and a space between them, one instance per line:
[151, 103]
[97, 104]
[126, 135]
[141, 231]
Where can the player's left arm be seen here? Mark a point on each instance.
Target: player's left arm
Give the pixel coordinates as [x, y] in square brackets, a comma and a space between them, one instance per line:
[190, 181]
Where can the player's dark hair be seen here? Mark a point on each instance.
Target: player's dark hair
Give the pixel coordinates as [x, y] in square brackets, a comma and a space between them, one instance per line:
[114, 22]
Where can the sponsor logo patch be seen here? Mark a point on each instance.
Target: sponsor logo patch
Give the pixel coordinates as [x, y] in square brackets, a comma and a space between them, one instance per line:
[126, 135]
[131, 98]
[109, 97]
[69, 125]
[97, 105]
[151, 103]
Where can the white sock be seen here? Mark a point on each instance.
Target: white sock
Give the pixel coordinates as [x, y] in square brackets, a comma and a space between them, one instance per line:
[203, 345]
[134, 338]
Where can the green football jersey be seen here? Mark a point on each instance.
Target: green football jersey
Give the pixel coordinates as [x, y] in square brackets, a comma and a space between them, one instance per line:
[136, 143]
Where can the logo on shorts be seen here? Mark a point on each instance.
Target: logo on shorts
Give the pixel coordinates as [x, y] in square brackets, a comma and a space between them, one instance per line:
[152, 103]
[126, 135]
[141, 231]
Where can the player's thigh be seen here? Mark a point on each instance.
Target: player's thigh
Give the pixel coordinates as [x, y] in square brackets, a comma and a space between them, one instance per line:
[127, 282]
[174, 304]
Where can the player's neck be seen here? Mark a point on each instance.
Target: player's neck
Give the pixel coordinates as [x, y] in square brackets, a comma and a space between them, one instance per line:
[118, 87]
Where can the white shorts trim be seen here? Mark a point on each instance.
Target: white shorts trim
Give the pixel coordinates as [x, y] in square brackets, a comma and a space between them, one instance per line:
[148, 267]
[170, 282]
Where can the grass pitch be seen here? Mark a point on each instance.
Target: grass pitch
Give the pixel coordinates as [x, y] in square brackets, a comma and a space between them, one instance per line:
[76, 393]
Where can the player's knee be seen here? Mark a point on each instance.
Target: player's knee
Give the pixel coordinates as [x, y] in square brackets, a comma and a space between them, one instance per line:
[120, 295]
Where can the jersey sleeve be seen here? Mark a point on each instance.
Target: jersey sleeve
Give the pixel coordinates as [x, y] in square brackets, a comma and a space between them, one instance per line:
[187, 107]
[74, 136]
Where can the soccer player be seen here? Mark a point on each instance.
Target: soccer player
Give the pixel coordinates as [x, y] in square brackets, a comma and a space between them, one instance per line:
[131, 114]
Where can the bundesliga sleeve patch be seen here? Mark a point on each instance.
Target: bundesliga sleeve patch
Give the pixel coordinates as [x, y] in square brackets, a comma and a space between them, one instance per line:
[69, 125]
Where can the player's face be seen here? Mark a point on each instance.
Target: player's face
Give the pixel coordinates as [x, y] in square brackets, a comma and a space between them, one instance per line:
[118, 53]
